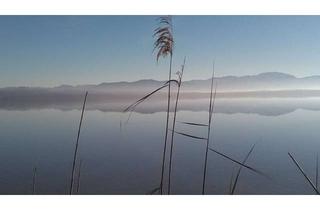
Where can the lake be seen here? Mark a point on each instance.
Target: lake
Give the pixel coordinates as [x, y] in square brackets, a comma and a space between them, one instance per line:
[124, 157]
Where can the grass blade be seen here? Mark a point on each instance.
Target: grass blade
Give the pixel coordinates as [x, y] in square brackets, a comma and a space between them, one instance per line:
[136, 103]
[303, 173]
[189, 135]
[77, 144]
[151, 192]
[34, 180]
[164, 43]
[239, 163]
[231, 181]
[180, 75]
[79, 176]
[167, 127]
[317, 170]
[239, 171]
[210, 111]
[195, 124]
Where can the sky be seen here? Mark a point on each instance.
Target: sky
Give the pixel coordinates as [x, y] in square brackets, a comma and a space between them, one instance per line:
[54, 50]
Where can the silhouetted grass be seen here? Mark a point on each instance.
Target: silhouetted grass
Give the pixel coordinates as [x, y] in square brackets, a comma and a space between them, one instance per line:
[34, 177]
[195, 124]
[239, 163]
[303, 173]
[210, 112]
[231, 181]
[207, 139]
[180, 75]
[317, 170]
[77, 145]
[153, 191]
[164, 45]
[79, 176]
[239, 170]
[132, 106]
[190, 136]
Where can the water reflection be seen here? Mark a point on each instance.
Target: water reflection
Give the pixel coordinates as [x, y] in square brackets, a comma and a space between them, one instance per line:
[261, 106]
[128, 160]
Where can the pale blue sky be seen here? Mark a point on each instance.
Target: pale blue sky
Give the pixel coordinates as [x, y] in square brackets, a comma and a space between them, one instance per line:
[55, 50]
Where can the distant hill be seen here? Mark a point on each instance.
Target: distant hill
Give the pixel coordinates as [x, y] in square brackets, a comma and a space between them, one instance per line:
[261, 85]
[263, 81]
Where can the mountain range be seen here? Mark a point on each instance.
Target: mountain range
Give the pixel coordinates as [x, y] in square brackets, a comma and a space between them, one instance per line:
[265, 85]
[259, 82]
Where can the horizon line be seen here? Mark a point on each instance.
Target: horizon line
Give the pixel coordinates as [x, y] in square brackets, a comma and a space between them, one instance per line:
[151, 79]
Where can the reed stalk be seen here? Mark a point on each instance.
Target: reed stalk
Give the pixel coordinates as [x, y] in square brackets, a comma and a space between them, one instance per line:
[317, 170]
[304, 174]
[164, 46]
[79, 176]
[166, 131]
[77, 145]
[231, 181]
[239, 170]
[180, 75]
[239, 163]
[34, 180]
[210, 111]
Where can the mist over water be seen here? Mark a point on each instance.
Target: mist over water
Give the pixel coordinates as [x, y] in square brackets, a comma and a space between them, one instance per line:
[125, 158]
[270, 106]
[50, 64]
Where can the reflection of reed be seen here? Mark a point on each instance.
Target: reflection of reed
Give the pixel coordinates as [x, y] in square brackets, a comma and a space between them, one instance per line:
[264, 107]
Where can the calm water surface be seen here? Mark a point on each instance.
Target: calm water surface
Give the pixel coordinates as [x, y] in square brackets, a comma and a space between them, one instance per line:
[125, 158]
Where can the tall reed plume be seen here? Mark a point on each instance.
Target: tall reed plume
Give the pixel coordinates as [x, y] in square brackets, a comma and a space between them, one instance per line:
[164, 47]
